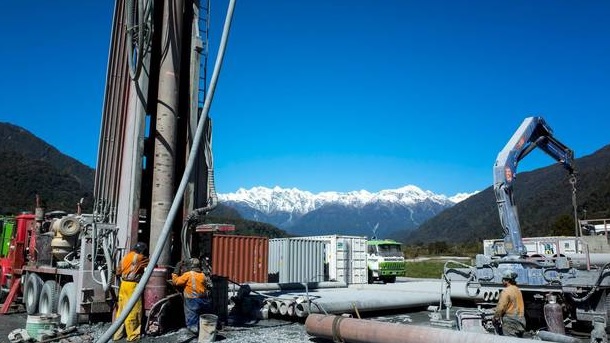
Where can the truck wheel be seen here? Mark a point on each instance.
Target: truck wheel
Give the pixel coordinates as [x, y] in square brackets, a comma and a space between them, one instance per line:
[31, 292]
[370, 277]
[390, 279]
[49, 297]
[66, 306]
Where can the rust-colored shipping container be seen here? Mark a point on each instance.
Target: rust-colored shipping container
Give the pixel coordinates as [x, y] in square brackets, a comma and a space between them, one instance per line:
[242, 259]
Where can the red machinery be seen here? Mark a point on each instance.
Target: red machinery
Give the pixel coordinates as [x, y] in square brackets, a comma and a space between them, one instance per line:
[13, 263]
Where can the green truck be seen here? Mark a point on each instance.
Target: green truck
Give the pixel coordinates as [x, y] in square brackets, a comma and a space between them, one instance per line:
[385, 260]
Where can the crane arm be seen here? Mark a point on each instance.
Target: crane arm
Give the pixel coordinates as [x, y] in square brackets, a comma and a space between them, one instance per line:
[533, 132]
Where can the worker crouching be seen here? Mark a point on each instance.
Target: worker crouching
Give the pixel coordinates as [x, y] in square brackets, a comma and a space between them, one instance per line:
[196, 299]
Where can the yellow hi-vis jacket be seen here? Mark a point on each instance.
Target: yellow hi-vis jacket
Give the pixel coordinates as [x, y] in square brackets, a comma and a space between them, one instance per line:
[193, 283]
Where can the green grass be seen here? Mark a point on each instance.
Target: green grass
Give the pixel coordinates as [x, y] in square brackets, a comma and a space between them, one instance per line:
[425, 269]
[432, 268]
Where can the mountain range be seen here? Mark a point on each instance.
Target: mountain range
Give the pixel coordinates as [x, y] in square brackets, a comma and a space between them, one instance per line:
[350, 213]
[29, 166]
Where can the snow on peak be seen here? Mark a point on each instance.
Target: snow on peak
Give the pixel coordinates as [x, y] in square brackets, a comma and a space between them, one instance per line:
[462, 196]
[293, 200]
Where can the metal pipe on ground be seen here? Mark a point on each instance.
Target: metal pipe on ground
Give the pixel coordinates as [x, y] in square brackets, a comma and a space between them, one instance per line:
[301, 309]
[287, 308]
[353, 330]
[284, 308]
[290, 310]
[556, 337]
[274, 307]
[293, 286]
[366, 300]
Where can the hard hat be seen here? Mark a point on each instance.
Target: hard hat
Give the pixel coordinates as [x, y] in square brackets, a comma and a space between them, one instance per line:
[508, 274]
[140, 247]
[195, 263]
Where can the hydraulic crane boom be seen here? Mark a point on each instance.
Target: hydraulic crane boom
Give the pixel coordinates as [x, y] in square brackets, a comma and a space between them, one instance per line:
[582, 292]
[533, 132]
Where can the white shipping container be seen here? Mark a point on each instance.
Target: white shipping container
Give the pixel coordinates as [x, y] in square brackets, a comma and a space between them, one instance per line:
[346, 258]
[296, 260]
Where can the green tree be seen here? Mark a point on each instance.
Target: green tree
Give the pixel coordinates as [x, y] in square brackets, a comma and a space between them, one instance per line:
[563, 226]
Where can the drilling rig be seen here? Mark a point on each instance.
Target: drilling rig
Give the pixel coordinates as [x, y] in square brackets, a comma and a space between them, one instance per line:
[155, 109]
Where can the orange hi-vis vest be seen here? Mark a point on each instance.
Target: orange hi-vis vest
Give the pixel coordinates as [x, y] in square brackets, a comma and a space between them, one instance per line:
[132, 266]
[193, 282]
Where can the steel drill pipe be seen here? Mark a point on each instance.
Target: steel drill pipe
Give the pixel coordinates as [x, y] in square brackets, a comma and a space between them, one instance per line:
[343, 329]
[365, 300]
[274, 306]
[292, 286]
[556, 337]
[283, 308]
[291, 311]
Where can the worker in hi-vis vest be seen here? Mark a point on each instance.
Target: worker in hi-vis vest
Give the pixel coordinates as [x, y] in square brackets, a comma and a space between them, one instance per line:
[130, 271]
[196, 299]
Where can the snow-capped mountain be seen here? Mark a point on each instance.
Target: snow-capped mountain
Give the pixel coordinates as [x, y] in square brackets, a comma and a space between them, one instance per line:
[354, 213]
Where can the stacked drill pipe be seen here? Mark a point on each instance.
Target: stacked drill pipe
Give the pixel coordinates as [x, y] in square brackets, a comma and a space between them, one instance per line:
[289, 299]
[361, 298]
[112, 133]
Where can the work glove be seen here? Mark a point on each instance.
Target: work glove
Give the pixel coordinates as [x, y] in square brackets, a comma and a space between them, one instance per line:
[178, 268]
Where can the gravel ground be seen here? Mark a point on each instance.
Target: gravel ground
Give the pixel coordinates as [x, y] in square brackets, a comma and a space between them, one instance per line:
[264, 331]
[272, 330]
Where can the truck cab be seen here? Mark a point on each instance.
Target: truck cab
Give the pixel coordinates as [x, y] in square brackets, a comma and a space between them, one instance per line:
[385, 260]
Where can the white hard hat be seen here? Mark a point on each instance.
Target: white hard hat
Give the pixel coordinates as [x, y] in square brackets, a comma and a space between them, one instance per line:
[508, 274]
[195, 263]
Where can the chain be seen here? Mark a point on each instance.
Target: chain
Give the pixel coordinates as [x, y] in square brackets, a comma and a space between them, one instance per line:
[574, 204]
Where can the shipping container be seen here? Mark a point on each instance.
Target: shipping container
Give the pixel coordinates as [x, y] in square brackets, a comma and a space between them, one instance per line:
[346, 258]
[242, 259]
[296, 260]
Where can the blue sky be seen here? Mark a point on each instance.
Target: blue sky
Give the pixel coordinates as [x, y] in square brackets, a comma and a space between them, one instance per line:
[328, 95]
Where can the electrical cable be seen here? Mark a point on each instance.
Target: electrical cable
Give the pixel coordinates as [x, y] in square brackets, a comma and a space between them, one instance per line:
[143, 33]
[106, 336]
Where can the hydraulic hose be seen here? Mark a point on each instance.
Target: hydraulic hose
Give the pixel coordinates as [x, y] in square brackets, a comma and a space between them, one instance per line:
[109, 264]
[195, 216]
[107, 335]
